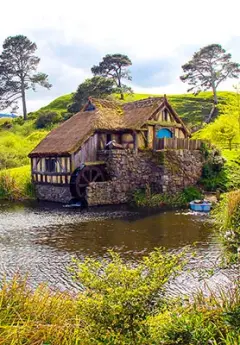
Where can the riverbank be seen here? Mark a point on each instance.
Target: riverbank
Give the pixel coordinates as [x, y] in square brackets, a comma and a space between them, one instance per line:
[122, 306]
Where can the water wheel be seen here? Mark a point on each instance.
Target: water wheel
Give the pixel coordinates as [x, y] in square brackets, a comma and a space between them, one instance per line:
[84, 175]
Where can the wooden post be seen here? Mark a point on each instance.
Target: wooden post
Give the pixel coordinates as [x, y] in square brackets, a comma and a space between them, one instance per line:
[135, 136]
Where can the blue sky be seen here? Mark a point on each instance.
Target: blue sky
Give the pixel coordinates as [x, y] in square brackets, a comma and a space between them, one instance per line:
[159, 36]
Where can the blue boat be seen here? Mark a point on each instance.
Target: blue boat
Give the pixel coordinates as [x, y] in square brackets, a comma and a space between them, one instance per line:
[200, 205]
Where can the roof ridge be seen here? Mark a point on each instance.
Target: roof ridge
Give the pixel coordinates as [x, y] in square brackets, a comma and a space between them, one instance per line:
[145, 102]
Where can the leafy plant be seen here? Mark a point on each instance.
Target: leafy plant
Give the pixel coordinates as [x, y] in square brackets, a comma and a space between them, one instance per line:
[118, 297]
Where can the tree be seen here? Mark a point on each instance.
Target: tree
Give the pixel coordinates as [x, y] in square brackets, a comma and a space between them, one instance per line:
[46, 119]
[115, 67]
[18, 65]
[224, 129]
[208, 68]
[98, 87]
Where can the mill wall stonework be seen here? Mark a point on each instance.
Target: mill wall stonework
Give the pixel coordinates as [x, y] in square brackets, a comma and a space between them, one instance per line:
[53, 193]
[168, 171]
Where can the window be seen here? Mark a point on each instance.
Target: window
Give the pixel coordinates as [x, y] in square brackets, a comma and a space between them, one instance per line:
[51, 164]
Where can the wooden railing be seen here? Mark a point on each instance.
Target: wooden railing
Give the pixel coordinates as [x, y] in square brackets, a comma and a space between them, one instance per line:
[177, 144]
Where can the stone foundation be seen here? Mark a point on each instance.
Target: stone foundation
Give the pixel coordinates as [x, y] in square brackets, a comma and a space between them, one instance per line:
[53, 193]
[168, 171]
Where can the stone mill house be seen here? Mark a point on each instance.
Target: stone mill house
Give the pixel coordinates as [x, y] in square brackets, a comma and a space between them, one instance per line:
[109, 149]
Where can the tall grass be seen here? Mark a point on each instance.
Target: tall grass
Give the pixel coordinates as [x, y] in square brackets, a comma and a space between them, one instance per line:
[15, 184]
[227, 219]
[117, 308]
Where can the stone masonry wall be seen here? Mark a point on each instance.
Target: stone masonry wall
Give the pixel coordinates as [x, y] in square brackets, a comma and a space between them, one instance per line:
[53, 193]
[166, 171]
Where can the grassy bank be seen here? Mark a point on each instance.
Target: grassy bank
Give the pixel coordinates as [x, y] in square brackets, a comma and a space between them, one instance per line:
[121, 304]
[15, 184]
[147, 198]
[227, 220]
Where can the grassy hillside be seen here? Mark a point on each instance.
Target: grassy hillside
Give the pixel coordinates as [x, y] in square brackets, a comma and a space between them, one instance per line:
[192, 109]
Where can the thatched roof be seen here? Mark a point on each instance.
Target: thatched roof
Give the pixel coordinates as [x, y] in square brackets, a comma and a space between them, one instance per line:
[108, 115]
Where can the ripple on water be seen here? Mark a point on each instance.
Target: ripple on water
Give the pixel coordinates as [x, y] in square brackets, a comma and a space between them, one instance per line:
[41, 239]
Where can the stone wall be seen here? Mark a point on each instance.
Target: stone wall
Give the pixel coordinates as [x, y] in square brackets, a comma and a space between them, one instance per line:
[182, 168]
[55, 193]
[167, 171]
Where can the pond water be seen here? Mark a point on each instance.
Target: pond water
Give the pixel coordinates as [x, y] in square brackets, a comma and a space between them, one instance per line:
[40, 239]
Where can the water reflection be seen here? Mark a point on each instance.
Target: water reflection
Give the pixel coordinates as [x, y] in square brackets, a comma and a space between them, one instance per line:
[41, 238]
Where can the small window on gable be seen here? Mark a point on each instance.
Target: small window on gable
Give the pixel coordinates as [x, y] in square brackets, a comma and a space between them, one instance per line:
[51, 164]
[165, 115]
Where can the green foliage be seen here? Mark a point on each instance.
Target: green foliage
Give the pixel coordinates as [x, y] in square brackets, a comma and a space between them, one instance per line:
[46, 119]
[18, 65]
[202, 322]
[14, 148]
[121, 304]
[118, 297]
[227, 219]
[208, 68]
[192, 109]
[15, 184]
[98, 87]
[145, 198]
[115, 67]
[213, 173]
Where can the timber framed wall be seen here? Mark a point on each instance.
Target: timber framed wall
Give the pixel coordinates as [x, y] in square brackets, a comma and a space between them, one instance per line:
[51, 170]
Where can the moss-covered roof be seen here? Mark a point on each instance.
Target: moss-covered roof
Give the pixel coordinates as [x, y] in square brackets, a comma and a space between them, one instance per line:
[108, 115]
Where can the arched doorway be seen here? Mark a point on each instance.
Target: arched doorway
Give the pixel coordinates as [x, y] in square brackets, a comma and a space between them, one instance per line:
[164, 133]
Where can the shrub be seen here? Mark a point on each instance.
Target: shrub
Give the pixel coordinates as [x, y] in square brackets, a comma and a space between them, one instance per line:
[214, 174]
[47, 119]
[118, 297]
[15, 184]
[148, 199]
[121, 304]
[227, 218]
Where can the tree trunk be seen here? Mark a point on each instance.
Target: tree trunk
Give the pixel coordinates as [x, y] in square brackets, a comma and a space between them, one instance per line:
[214, 107]
[120, 88]
[24, 102]
[215, 98]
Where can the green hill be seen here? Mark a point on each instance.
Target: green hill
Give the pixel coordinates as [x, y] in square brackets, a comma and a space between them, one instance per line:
[192, 109]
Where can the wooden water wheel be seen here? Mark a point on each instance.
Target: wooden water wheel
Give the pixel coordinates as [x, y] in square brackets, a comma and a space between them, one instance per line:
[84, 175]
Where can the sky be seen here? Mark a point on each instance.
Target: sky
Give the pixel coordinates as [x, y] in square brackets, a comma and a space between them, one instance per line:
[158, 36]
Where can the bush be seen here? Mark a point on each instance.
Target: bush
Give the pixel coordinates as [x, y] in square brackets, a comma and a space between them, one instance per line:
[121, 304]
[15, 184]
[47, 119]
[118, 297]
[227, 218]
[148, 199]
[214, 174]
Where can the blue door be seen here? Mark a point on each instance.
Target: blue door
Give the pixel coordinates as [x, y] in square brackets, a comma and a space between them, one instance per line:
[164, 133]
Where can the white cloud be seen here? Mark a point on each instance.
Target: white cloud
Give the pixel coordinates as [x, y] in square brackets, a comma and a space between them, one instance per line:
[144, 30]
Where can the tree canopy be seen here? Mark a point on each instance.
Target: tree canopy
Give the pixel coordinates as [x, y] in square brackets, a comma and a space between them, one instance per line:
[18, 66]
[115, 67]
[208, 68]
[98, 87]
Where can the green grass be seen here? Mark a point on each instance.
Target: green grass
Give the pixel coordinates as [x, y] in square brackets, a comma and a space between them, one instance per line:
[122, 304]
[192, 109]
[58, 105]
[15, 184]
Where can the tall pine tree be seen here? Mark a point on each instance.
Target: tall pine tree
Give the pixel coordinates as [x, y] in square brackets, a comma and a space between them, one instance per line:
[18, 66]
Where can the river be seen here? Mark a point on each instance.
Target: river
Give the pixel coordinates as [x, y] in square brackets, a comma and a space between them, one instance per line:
[40, 239]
